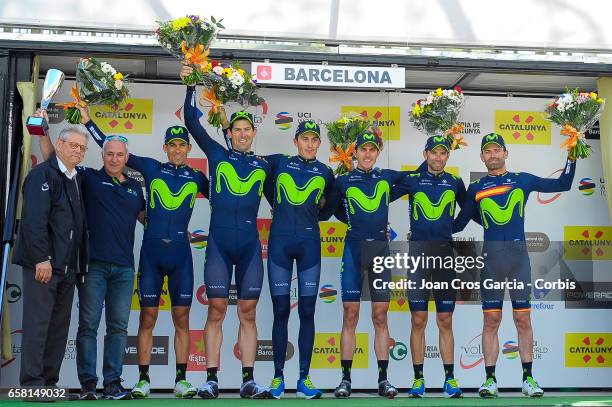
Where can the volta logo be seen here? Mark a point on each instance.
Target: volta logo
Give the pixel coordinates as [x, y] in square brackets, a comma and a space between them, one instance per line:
[328, 293]
[587, 242]
[198, 239]
[136, 117]
[326, 351]
[387, 118]
[522, 127]
[588, 349]
[510, 350]
[397, 350]
[471, 353]
[332, 238]
[264, 72]
[587, 186]
[283, 120]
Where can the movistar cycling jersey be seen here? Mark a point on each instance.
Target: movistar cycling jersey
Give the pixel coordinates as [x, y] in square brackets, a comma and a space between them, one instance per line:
[365, 196]
[433, 200]
[294, 191]
[236, 178]
[171, 193]
[499, 201]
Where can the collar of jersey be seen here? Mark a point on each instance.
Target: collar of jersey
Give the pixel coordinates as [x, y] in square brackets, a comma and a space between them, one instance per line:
[169, 164]
[247, 153]
[306, 160]
[431, 174]
[104, 174]
[497, 176]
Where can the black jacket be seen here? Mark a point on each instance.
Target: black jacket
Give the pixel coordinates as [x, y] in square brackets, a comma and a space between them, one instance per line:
[48, 220]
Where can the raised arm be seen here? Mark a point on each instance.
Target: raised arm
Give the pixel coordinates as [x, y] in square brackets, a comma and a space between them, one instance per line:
[563, 183]
[192, 122]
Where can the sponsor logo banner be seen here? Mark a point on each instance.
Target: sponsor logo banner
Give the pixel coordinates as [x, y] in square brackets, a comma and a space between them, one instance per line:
[159, 351]
[326, 351]
[197, 352]
[332, 238]
[522, 127]
[135, 117]
[471, 353]
[588, 349]
[329, 75]
[587, 242]
[387, 118]
[263, 226]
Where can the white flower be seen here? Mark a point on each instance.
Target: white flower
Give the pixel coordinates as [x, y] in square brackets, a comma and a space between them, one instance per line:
[240, 91]
[218, 69]
[118, 84]
[222, 88]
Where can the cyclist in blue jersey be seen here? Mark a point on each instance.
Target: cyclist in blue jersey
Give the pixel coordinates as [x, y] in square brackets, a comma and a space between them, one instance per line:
[434, 194]
[361, 198]
[297, 187]
[499, 200]
[171, 193]
[237, 179]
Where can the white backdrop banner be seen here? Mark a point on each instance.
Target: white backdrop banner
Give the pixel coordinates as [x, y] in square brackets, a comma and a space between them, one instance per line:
[561, 357]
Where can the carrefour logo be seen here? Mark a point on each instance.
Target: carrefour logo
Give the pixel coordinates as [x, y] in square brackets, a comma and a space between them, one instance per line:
[397, 350]
[328, 293]
[587, 186]
[510, 350]
[283, 120]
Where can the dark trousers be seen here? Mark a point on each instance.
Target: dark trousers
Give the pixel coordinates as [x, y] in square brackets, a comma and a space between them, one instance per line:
[46, 318]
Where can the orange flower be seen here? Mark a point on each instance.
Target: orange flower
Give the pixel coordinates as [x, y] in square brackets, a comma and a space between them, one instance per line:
[208, 95]
[457, 137]
[344, 157]
[573, 136]
[74, 92]
[195, 56]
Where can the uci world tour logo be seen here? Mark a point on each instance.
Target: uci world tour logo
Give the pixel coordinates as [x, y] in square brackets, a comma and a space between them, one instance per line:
[283, 120]
[587, 186]
[328, 293]
[198, 239]
[510, 350]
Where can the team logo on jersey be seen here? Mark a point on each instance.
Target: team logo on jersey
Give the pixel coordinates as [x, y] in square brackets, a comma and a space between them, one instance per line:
[169, 200]
[433, 211]
[368, 203]
[501, 215]
[235, 184]
[298, 195]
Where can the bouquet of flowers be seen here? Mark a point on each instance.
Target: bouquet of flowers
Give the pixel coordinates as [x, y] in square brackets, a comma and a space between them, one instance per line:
[342, 135]
[189, 38]
[576, 112]
[438, 113]
[97, 83]
[227, 83]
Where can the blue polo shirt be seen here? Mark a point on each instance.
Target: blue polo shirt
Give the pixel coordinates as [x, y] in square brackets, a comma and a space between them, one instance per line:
[112, 209]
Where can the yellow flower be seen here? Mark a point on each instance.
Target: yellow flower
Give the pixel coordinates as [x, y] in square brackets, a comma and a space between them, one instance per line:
[118, 76]
[593, 95]
[439, 92]
[417, 110]
[241, 71]
[600, 100]
[180, 23]
[227, 71]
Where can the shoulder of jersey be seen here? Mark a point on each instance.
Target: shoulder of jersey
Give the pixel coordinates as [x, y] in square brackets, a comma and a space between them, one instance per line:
[475, 181]
[262, 158]
[457, 177]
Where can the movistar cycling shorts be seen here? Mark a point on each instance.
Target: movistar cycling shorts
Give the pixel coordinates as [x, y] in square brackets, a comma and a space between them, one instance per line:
[282, 252]
[357, 272]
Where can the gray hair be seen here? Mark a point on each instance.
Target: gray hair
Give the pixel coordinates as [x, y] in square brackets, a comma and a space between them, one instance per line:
[127, 151]
[63, 134]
